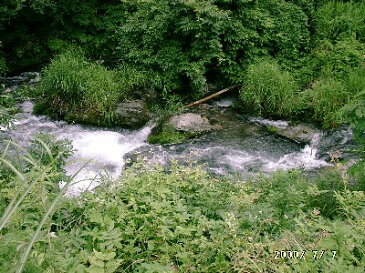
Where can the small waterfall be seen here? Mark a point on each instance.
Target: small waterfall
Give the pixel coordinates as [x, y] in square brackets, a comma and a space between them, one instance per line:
[306, 158]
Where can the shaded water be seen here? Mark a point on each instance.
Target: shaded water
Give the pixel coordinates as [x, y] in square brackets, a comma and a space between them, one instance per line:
[240, 146]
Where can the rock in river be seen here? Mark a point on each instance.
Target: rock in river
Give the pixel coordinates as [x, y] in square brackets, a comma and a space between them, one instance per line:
[133, 114]
[190, 123]
[301, 133]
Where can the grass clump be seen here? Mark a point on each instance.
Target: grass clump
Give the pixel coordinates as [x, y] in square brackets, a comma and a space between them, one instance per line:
[29, 182]
[268, 90]
[326, 98]
[78, 90]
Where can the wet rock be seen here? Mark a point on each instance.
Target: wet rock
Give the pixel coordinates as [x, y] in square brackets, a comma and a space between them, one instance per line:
[149, 156]
[133, 114]
[147, 95]
[337, 144]
[190, 123]
[301, 133]
[26, 77]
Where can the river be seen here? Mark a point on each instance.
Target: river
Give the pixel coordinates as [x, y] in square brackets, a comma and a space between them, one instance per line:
[242, 147]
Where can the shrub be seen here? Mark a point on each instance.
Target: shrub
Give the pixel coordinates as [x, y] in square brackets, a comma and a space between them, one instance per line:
[79, 90]
[7, 109]
[354, 111]
[337, 20]
[184, 45]
[338, 59]
[268, 90]
[355, 82]
[334, 102]
[326, 99]
[3, 67]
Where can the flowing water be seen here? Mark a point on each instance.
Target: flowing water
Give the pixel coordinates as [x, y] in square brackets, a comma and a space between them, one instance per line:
[241, 147]
[105, 148]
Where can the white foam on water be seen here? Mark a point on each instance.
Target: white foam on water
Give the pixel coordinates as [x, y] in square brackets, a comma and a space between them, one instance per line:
[225, 102]
[280, 124]
[304, 159]
[239, 159]
[27, 107]
[104, 149]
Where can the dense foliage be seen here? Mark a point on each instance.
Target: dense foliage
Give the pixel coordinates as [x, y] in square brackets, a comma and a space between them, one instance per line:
[330, 74]
[179, 44]
[79, 90]
[299, 60]
[183, 221]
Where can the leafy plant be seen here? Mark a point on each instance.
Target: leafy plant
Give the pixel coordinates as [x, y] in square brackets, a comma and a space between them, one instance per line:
[337, 20]
[326, 98]
[7, 109]
[338, 59]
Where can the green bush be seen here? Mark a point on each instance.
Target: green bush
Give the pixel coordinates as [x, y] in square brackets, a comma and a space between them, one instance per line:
[3, 67]
[336, 101]
[7, 109]
[337, 20]
[79, 90]
[355, 82]
[326, 99]
[338, 59]
[354, 113]
[185, 45]
[269, 91]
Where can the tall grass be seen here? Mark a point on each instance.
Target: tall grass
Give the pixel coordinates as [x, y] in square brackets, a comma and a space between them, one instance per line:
[34, 169]
[327, 98]
[337, 20]
[268, 90]
[79, 90]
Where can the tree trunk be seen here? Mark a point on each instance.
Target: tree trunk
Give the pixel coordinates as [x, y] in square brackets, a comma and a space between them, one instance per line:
[210, 96]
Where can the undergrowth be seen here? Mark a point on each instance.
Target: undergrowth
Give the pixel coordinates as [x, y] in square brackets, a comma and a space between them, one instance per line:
[183, 220]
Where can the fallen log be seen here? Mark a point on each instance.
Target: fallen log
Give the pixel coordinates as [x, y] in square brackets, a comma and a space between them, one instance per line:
[211, 96]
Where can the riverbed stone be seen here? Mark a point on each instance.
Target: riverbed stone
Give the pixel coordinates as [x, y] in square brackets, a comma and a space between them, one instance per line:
[190, 123]
[302, 133]
[25, 77]
[337, 144]
[132, 114]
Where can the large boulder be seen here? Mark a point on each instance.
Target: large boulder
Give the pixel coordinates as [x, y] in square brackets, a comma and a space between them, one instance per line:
[190, 123]
[337, 144]
[132, 114]
[301, 133]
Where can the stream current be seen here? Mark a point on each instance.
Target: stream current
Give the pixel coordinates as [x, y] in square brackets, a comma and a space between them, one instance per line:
[241, 147]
